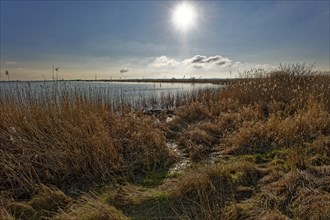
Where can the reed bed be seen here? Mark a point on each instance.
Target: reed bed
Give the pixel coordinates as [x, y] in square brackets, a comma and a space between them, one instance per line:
[259, 149]
[72, 140]
[115, 97]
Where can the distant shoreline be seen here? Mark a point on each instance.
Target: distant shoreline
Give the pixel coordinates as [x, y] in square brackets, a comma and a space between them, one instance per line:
[209, 80]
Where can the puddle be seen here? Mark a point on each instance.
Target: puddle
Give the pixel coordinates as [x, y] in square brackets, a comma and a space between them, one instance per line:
[174, 147]
[180, 166]
[183, 161]
[169, 119]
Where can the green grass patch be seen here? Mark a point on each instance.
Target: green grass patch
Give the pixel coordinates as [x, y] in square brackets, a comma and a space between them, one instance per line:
[151, 179]
[265, 157]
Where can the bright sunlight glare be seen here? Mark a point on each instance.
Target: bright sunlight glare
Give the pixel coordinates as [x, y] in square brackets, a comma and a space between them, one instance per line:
[184, 16]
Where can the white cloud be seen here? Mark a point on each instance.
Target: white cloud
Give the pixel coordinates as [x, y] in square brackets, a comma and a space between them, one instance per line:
[196, 62]
[200, 61]
[196, 59]
[164, 61]
[212, 66]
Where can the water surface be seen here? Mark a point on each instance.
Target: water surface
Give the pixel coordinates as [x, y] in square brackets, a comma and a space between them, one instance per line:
[137, 94]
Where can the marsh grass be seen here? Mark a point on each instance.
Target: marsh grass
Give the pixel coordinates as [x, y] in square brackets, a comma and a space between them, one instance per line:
[280, 121]
[260, 150]
[280, 109]
[83, 142]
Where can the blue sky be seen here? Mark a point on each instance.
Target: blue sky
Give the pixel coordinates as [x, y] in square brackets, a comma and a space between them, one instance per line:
[135, 39]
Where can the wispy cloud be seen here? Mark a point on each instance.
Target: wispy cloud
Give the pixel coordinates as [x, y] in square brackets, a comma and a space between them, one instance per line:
[124, 70]
[265, 66]
[21, 69]
[197, 66]
[11, 63]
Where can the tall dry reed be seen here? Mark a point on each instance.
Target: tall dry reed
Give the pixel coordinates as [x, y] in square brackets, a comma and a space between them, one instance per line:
[75, 143]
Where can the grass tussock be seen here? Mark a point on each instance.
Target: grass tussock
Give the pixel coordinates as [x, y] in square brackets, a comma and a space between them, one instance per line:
[197, 141]
[90, 207]
[49, 200]
[203, 194]
[292, 196]
[44, 204]
[311, 204]
[140, 202]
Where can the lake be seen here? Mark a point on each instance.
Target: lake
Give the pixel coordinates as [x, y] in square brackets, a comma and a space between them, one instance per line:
[145, 95]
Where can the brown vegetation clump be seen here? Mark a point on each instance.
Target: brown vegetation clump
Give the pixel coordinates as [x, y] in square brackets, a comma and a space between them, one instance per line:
[295, 195]
[280, 131]
[61, 145]
[48, 200]
[281, 122]
[20, 210]
[311, 204]
[194, 112]
[140, 142]
[198, 141]
[260, 206]
[254, 115]
[4, 214]
[320, 154]
[203, 194]
[44, 204]
[91, 207]
[285, 85]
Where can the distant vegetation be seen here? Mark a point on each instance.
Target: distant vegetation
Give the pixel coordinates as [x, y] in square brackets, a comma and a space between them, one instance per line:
[258, 149]
[175, 80]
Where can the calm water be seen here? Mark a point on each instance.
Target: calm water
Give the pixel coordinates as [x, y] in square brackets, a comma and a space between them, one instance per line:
[145, 95]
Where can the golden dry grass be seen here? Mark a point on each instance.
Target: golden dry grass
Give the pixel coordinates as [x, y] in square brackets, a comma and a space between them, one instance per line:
[281, 123]
[83, 142]
[91, 207]
[270, 136]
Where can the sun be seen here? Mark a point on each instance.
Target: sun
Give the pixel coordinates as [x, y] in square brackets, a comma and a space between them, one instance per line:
[184, 16]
